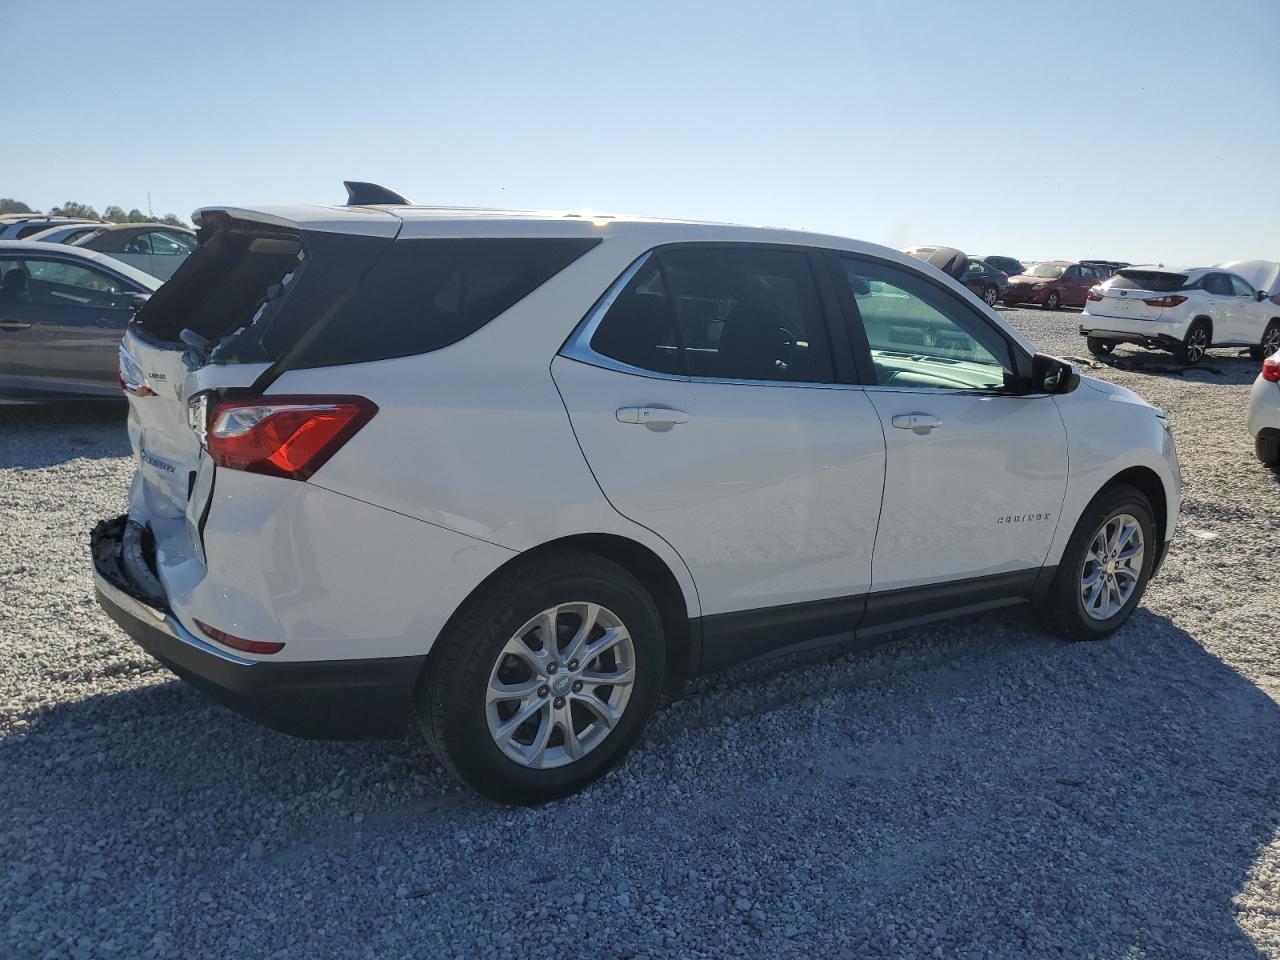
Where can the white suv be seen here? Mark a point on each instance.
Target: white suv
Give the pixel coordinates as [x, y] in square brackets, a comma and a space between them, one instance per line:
[1185, 310]
[514, 474]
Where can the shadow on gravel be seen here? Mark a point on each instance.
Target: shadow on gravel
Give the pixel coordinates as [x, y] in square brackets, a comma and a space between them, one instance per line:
[1216, 368]
[992, 789]
[48, 432]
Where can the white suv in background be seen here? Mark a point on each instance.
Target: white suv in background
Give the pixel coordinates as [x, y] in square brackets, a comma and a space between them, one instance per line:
[513, 474]
[1184, 310]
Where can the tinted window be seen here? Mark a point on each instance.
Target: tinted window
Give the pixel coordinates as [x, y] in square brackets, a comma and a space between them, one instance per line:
[1218, 284]
[733, 313]
[426, 294]
[1241, 288]
[55, 283]
[922, 336]
[1154, 280]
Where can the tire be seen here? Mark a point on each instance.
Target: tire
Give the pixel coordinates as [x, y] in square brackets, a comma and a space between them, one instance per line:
[1192, 349]
[1052, 301]
[1063, 608]
[1099, 347]
[1270, 342]
[452, 700]
[1268, 450]
[990, 295]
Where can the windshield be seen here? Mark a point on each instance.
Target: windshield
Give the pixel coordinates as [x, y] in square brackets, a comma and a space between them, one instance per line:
[1051, 271]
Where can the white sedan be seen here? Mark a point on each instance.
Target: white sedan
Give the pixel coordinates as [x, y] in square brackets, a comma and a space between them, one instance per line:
[1264, 412]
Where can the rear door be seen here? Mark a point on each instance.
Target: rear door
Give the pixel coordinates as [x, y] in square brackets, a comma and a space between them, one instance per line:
[975, 475]
[1247, 320]
[703, 393]
[63, 332]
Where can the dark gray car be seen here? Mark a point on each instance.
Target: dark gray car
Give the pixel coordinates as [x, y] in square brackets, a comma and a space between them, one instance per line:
[62, 313]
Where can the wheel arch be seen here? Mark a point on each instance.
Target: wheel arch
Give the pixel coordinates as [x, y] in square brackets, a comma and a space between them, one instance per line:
[683, 639]
[1206, 320]
[1147, 482]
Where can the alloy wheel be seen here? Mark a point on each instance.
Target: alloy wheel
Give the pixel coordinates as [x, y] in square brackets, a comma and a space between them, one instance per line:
[1271, 340]
[1112, 567]
[1197, 344]
[1052, 301]
[990, 296]
[560, 685]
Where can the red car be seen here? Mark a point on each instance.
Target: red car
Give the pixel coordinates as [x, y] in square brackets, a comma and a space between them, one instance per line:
[1052, 284]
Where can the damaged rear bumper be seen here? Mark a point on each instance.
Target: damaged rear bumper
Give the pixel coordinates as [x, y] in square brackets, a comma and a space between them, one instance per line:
[326, 699]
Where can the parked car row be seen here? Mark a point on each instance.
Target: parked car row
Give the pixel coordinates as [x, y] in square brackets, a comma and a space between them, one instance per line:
[154, 248]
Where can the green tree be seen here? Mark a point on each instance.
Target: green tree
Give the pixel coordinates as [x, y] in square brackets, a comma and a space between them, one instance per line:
[173, 220]
[9, 205]
[137, 216]
[114, 214]
[73, 209]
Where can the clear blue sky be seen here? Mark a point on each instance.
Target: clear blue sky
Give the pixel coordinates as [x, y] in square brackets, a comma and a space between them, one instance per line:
[1138, 131]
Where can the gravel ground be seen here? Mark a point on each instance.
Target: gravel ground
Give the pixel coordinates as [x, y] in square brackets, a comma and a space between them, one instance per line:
[974, 789]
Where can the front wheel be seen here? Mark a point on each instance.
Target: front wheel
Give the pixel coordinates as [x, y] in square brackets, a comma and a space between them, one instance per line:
[544, 680]
[1052, 301]
[1270, 342]
[1105, 567]
[1267, 447]
[1099, 347]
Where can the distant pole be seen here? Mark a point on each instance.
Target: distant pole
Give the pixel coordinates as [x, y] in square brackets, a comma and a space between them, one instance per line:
[150, 213]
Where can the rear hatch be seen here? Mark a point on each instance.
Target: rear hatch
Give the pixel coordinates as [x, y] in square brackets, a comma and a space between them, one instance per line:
[227, 323]
[1137, 294]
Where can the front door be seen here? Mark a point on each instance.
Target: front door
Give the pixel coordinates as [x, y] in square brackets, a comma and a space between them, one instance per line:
[975, 475]
[702, 393]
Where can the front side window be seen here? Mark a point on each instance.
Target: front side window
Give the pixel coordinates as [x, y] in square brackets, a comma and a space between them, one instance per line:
[1241, 288]
[727, 313]
[920, 335]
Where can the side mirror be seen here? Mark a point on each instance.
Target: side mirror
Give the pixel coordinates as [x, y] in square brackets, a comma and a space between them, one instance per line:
[1051, 375]
[1262, 295]
[136, 300]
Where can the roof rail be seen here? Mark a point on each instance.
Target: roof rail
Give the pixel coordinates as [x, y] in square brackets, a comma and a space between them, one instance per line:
[360, 194]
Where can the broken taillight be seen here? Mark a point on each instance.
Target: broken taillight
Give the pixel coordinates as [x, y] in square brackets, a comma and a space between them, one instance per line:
[285, 436]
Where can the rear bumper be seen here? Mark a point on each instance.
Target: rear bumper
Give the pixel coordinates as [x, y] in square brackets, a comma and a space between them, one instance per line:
[326, 699]
[1151, 340]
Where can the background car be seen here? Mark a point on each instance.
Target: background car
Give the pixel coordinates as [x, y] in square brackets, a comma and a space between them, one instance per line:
[62, 313]
[156, 248]
[984, 280]
[1104, 268]
[63, 233]
[1052, 284]
[1184, 310]
[1007, 265]
[1264, 411]
[21, 226]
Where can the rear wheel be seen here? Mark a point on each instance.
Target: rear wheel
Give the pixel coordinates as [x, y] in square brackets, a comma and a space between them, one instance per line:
[1099, 347]
[1052, 301]
[990, 295]
[543, 681]
[1105, 567]
[1268, 450]
[1193, 347]
[1270, 342]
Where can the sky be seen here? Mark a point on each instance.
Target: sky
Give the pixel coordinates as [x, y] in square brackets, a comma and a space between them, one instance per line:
[1139, 131]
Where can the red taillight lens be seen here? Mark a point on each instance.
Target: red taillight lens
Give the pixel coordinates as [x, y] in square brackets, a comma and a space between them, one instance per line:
[239, 643]
[1170, 301]
[1271, 369]
[284, 436]
[1095, 293]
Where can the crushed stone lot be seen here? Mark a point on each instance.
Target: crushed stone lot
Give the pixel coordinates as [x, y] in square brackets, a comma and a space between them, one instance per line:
[969, 789]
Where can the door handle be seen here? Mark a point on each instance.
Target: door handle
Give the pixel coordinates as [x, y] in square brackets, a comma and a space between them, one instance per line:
[916, 422]
[14, 325]
[652, 416]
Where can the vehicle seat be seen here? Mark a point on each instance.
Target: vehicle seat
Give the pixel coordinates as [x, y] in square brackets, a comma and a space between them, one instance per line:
[14, 287]
[750, 346]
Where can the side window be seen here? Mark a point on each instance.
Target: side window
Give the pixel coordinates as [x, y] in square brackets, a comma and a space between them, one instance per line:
[1242, 289]
[60, 284]
[920, 335]
[974, 268]
[138, 243]
[1073, 273]
[733, 313]
[1218, 284]
[167, 244]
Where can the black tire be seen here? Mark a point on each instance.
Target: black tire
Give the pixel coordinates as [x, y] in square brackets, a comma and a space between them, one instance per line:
[1062, 609]
[451, 696]
[1194, 345]
[1270, 342]
[990, 295]
[1268, 450]
[1099, 347]
[1052, 301]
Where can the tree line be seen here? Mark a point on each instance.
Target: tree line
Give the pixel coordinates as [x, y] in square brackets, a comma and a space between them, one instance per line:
[113, 214]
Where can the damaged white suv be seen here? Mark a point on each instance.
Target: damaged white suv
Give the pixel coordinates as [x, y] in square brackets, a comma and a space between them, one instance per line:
[512, 475]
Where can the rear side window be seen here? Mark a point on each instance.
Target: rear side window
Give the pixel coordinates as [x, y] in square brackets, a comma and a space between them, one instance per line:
[729, 313]
[423, 295]
[1157, 281]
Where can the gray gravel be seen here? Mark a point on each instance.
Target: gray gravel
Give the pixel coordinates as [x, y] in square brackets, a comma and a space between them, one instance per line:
[975, 789]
